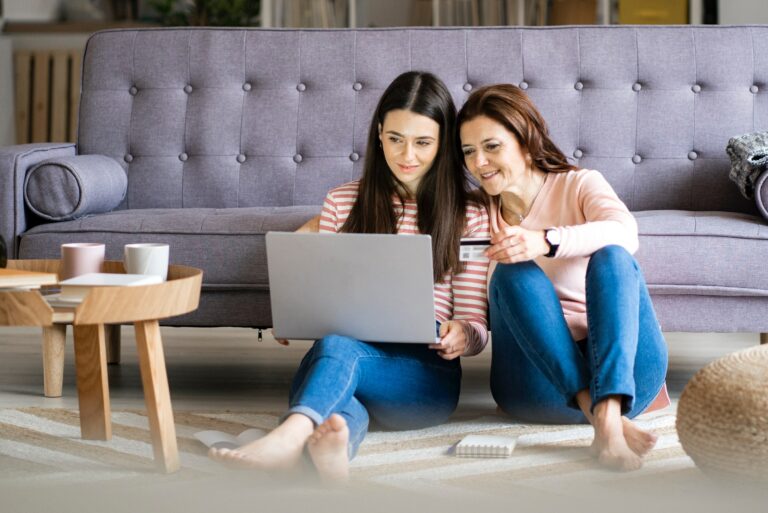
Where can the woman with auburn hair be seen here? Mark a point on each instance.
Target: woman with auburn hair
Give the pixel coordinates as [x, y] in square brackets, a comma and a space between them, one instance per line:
[575, 336]
[412, 183]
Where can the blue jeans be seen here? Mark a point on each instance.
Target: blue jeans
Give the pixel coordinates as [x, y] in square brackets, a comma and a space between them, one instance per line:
[398, 386]
[537, 368]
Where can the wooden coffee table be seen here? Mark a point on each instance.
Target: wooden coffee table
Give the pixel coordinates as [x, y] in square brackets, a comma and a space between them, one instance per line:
[143, 306]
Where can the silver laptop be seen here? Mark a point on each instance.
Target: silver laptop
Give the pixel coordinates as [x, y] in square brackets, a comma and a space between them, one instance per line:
[376, 288]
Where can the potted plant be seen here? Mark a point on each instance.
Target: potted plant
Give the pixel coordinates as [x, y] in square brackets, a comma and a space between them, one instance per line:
[217, 13]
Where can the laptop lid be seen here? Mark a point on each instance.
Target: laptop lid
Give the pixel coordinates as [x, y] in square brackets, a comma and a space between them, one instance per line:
[376, 288]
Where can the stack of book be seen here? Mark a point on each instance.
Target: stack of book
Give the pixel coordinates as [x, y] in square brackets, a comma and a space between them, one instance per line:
[14, 279]
[74, 290]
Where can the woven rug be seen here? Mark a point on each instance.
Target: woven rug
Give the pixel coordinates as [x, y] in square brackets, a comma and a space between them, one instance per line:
[44, 445]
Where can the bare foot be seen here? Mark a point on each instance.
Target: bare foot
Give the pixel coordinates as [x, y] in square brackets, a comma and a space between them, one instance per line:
[641, 442]
[610, 445]
[280, 450]
[328, 447]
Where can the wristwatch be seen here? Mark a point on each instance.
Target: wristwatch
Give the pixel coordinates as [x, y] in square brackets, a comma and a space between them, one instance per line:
[552, 236]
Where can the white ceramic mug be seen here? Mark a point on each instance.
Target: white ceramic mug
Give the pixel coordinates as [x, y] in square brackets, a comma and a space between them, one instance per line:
[146, 258]
[81, 258]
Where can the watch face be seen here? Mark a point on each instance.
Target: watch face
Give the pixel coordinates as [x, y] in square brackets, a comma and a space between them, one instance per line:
[553, 237]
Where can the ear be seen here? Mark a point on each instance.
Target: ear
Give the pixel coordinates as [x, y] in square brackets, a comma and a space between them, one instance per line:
[379, 131]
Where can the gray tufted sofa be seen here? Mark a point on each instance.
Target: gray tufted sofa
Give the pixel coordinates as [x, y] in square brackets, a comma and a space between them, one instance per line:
[226, 134]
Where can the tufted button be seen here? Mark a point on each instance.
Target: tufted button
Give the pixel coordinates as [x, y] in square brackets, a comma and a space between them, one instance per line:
[637, 86]
[183, 157]
[467, 87]
[247, 86]
[133, 90]
[357, 86]
[298, 158]
[637, 159]
[523, 85]
[187, 88]
[301, 87]
[578, 153]
[696, 88]
[578, 86]
[753, 89]
[128, 158]
[692, 155]
[241, 158]
[354, 156]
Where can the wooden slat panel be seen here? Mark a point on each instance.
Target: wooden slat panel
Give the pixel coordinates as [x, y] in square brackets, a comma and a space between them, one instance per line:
[74, 94]
[22, 73]
[40, 103]
[59, 97]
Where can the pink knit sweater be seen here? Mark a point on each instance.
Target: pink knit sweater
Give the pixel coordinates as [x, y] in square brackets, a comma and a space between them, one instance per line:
[589, 216]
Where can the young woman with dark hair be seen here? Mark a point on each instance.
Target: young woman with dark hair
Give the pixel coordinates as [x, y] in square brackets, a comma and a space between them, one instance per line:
[575, 336]
[412, 182]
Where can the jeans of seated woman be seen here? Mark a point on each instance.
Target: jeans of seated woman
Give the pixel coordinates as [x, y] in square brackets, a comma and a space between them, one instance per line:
[537, 368]
[399, 386]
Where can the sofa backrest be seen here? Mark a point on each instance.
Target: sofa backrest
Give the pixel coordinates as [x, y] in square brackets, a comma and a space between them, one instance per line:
[231, 117]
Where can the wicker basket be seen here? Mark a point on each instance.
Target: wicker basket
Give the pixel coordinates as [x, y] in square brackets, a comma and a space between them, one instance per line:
[722, 416]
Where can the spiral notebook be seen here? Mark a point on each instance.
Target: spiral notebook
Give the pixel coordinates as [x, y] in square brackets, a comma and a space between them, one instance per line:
[485, 446]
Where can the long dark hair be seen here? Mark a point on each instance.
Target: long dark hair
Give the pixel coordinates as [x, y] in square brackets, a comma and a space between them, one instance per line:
[509, 106]
[442, 193]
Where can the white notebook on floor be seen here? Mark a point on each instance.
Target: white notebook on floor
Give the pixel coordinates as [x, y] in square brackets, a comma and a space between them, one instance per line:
[485, 446]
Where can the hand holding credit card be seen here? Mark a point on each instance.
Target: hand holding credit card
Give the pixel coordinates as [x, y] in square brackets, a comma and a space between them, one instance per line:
[473, 249]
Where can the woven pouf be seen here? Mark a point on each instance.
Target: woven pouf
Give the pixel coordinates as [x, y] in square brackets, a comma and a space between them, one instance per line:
[722, 416]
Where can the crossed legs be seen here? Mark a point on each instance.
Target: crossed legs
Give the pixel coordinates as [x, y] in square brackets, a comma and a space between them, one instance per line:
[339, 384]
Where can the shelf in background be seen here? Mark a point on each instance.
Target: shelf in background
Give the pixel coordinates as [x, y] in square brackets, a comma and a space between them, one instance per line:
[74, 27]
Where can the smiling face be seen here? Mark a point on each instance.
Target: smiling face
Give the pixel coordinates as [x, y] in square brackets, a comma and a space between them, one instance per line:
[493, 155]
[410, 142]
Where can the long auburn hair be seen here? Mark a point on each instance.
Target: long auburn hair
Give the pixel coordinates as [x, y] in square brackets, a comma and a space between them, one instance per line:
[509, 106]
[443, 191]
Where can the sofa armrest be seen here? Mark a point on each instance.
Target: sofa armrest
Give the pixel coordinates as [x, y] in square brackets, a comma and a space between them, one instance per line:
[15, 161]
[761, 194]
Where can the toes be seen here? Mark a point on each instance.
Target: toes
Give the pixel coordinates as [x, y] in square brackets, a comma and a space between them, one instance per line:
[336, 422]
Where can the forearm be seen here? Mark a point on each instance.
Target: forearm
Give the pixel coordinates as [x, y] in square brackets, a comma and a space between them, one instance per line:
[585, 239]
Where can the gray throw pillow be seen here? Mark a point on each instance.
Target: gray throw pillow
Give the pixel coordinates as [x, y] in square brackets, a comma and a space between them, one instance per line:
[66, 188]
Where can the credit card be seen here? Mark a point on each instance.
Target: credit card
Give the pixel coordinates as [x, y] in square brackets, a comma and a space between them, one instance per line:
[473, 249]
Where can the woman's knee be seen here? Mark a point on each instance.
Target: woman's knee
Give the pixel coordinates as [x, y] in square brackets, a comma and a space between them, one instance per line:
[614, 257]
[335, 346]
[510, 279]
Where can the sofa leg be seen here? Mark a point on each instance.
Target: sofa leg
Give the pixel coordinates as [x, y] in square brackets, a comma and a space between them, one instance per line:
[112, 336]
[764, 338]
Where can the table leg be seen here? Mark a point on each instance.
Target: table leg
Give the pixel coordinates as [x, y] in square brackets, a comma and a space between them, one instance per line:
[112, 334]
[92, 387]
[157, 396]
[54, 338]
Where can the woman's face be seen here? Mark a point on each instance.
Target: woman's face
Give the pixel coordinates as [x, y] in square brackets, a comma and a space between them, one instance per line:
[492, 154]
[410, 142]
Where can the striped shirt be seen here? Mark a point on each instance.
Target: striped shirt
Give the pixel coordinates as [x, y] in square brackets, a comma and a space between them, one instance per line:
[461, 296]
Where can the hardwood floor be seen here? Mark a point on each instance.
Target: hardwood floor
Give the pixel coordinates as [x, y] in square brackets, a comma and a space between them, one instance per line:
[226, 368]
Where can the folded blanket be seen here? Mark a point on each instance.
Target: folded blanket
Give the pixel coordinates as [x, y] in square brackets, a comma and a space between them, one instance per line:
[749, 158]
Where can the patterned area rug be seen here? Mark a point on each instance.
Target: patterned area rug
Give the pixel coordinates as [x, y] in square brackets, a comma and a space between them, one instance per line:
[44, 445]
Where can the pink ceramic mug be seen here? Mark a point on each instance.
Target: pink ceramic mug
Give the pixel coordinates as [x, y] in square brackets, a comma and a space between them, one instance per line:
[81, 258]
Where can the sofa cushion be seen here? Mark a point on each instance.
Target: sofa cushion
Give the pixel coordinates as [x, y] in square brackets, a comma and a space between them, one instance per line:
[70, 187]
[228, 244]
[702, 253]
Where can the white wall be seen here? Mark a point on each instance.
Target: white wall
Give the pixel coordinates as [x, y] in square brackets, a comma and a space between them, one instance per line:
[733, 12]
